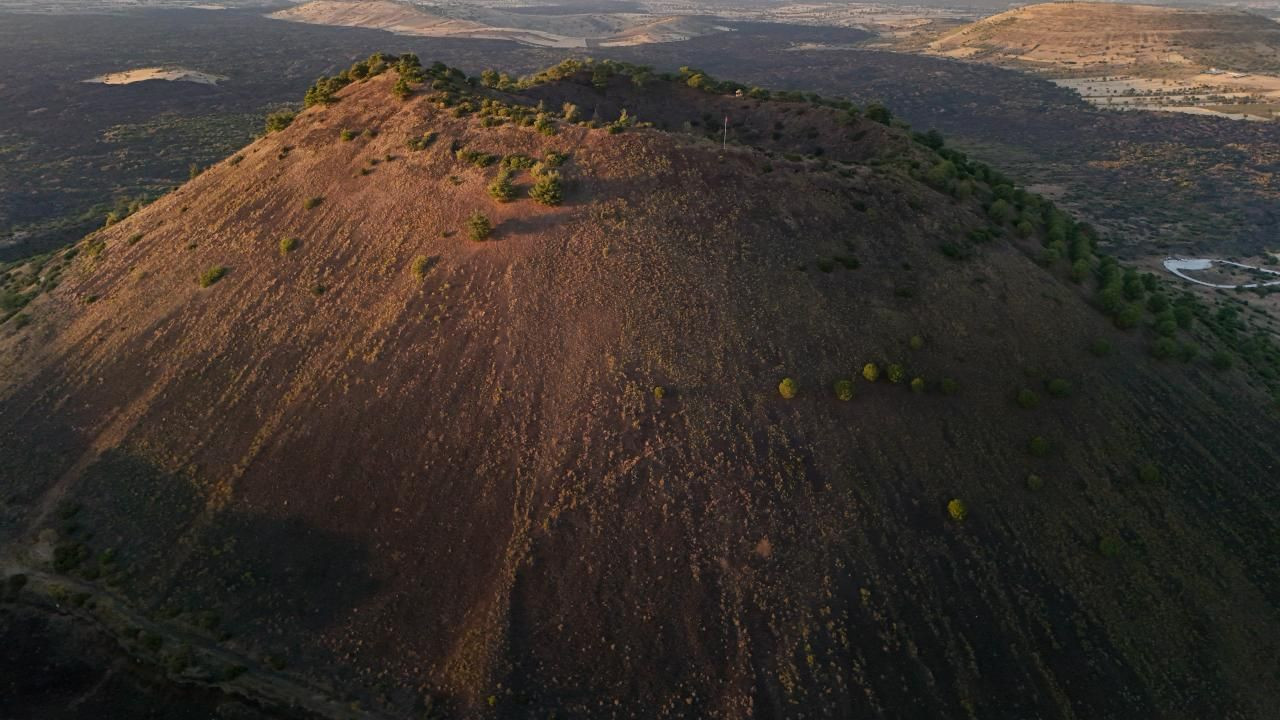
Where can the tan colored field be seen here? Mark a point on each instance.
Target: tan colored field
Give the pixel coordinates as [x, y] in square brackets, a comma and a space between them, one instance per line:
[128, 77]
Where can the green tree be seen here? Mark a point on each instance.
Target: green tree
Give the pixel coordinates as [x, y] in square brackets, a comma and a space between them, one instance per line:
[1038, 446]
[1110, 545]
[546, 189]
[479, 227]
[402, 89]
[917, 385]
[280, 120]
[787, 388]
[502, 189]
[1000, 212]
[879, 113]
[1028, 399]
[957, 510]
[544, 125]
[871, 372]
[897, 373]
[1148, 473]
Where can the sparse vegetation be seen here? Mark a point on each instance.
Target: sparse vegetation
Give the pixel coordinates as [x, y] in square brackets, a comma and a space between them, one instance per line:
[212, 275]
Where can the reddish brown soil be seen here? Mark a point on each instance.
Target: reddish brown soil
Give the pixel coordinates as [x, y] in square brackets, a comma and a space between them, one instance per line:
[462, 486]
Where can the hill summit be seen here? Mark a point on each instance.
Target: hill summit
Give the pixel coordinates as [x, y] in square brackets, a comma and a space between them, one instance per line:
[616, 393]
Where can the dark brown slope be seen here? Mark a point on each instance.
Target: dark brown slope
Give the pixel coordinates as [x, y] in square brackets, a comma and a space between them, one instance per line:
[462, 487]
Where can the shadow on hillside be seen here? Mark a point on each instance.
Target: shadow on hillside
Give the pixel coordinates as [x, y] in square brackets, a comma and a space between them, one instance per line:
[234, 569]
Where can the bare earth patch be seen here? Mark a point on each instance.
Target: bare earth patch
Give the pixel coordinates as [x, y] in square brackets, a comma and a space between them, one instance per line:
[129, 77]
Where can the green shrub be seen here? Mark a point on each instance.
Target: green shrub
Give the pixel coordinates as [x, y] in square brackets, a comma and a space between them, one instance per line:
[478, 227]
[1034, 482]
[312, 202]
[570, 113]
[1058, 387]
[787, 388]
[879, 113]
[475, 157]
[546, 189]
[844, 390]
[659, 392]
[1129, 316]
[502, 189]
[347, 135]
[288, 245]
[871, 372]
[553, 159]
[1222, 360]
[916, 342]
[957, 510]
[949, 386]
[134, 239]
[1164, 348]
[422, 143]
[402, 89]
[277, 121]
[518, 161]
[1028, 399]
[212, 275]
[1148, 473]
[1100, 348]
[917, 386]
[1038, 446]
[1110, 545]
[421, 265]
[897, 373]
[544, 125]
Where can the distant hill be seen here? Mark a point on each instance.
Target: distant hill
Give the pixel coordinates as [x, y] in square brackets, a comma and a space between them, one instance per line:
[1093, 37]
[560, 26]
[612, 393]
